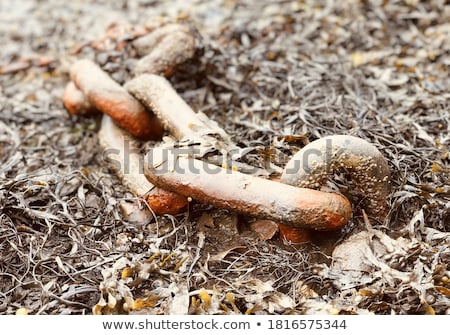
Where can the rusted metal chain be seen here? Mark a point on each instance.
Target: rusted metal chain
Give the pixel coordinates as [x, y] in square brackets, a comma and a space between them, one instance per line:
[75, 101]
[164, 49]
[112, 99]
[121, 151]
[184, 174]
[192, 129]
[360, 160]
[157, 94]
[208, 183]
[92, 90]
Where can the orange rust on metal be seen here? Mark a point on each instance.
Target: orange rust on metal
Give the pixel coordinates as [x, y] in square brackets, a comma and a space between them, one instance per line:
[75, 101]
[294, 234]
[156, 93]
[335, 220]
[112, 99]
[166, 202]
[121, 150]
[207, 183]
